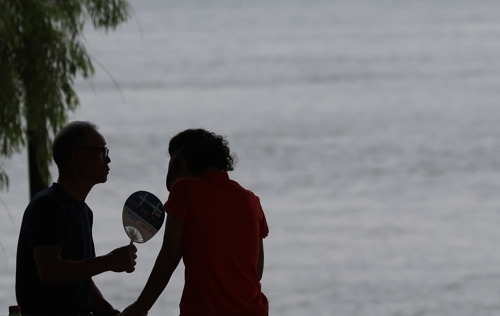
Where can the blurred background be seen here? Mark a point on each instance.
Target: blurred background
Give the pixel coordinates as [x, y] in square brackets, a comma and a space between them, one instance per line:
[369, 129]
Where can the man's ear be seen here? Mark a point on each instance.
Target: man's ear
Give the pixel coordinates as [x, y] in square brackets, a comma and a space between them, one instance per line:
[76, 157]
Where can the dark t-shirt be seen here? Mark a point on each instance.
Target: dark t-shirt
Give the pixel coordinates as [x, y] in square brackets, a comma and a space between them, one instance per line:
[53, 218]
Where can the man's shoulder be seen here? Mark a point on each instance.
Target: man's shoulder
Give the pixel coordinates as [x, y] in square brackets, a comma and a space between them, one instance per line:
[48, 197]
[52, 191]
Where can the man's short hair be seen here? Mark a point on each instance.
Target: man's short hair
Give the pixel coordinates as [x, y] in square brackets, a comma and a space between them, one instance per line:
[69, 137]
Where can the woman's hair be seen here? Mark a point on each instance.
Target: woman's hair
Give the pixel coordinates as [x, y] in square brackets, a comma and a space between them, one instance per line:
[202, 149]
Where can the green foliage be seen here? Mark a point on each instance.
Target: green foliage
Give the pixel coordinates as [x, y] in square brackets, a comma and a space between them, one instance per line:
[41, 53]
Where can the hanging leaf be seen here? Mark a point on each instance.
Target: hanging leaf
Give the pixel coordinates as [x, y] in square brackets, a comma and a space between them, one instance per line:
[41, 53]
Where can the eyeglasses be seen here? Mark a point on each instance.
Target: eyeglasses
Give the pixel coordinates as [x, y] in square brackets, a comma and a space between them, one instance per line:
[104, 151]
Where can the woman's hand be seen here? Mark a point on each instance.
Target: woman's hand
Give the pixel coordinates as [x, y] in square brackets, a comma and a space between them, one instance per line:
[133, 310]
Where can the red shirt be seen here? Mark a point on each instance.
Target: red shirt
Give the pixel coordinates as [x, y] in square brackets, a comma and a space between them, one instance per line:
[223, 226]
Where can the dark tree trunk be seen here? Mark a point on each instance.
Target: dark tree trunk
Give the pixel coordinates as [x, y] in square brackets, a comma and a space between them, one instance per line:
[37, 183]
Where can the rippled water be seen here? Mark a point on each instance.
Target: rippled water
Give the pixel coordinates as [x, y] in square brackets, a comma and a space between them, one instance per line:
[368, 128]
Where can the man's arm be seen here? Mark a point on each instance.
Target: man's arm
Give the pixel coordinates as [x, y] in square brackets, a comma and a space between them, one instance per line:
[53, 270]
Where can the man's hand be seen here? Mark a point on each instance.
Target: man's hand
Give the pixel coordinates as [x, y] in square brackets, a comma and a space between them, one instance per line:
[123, 259]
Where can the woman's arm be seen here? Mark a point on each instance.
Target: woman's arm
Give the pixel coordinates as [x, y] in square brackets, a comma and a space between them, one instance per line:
[260, 262]
[100, 305]
[166, 263]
